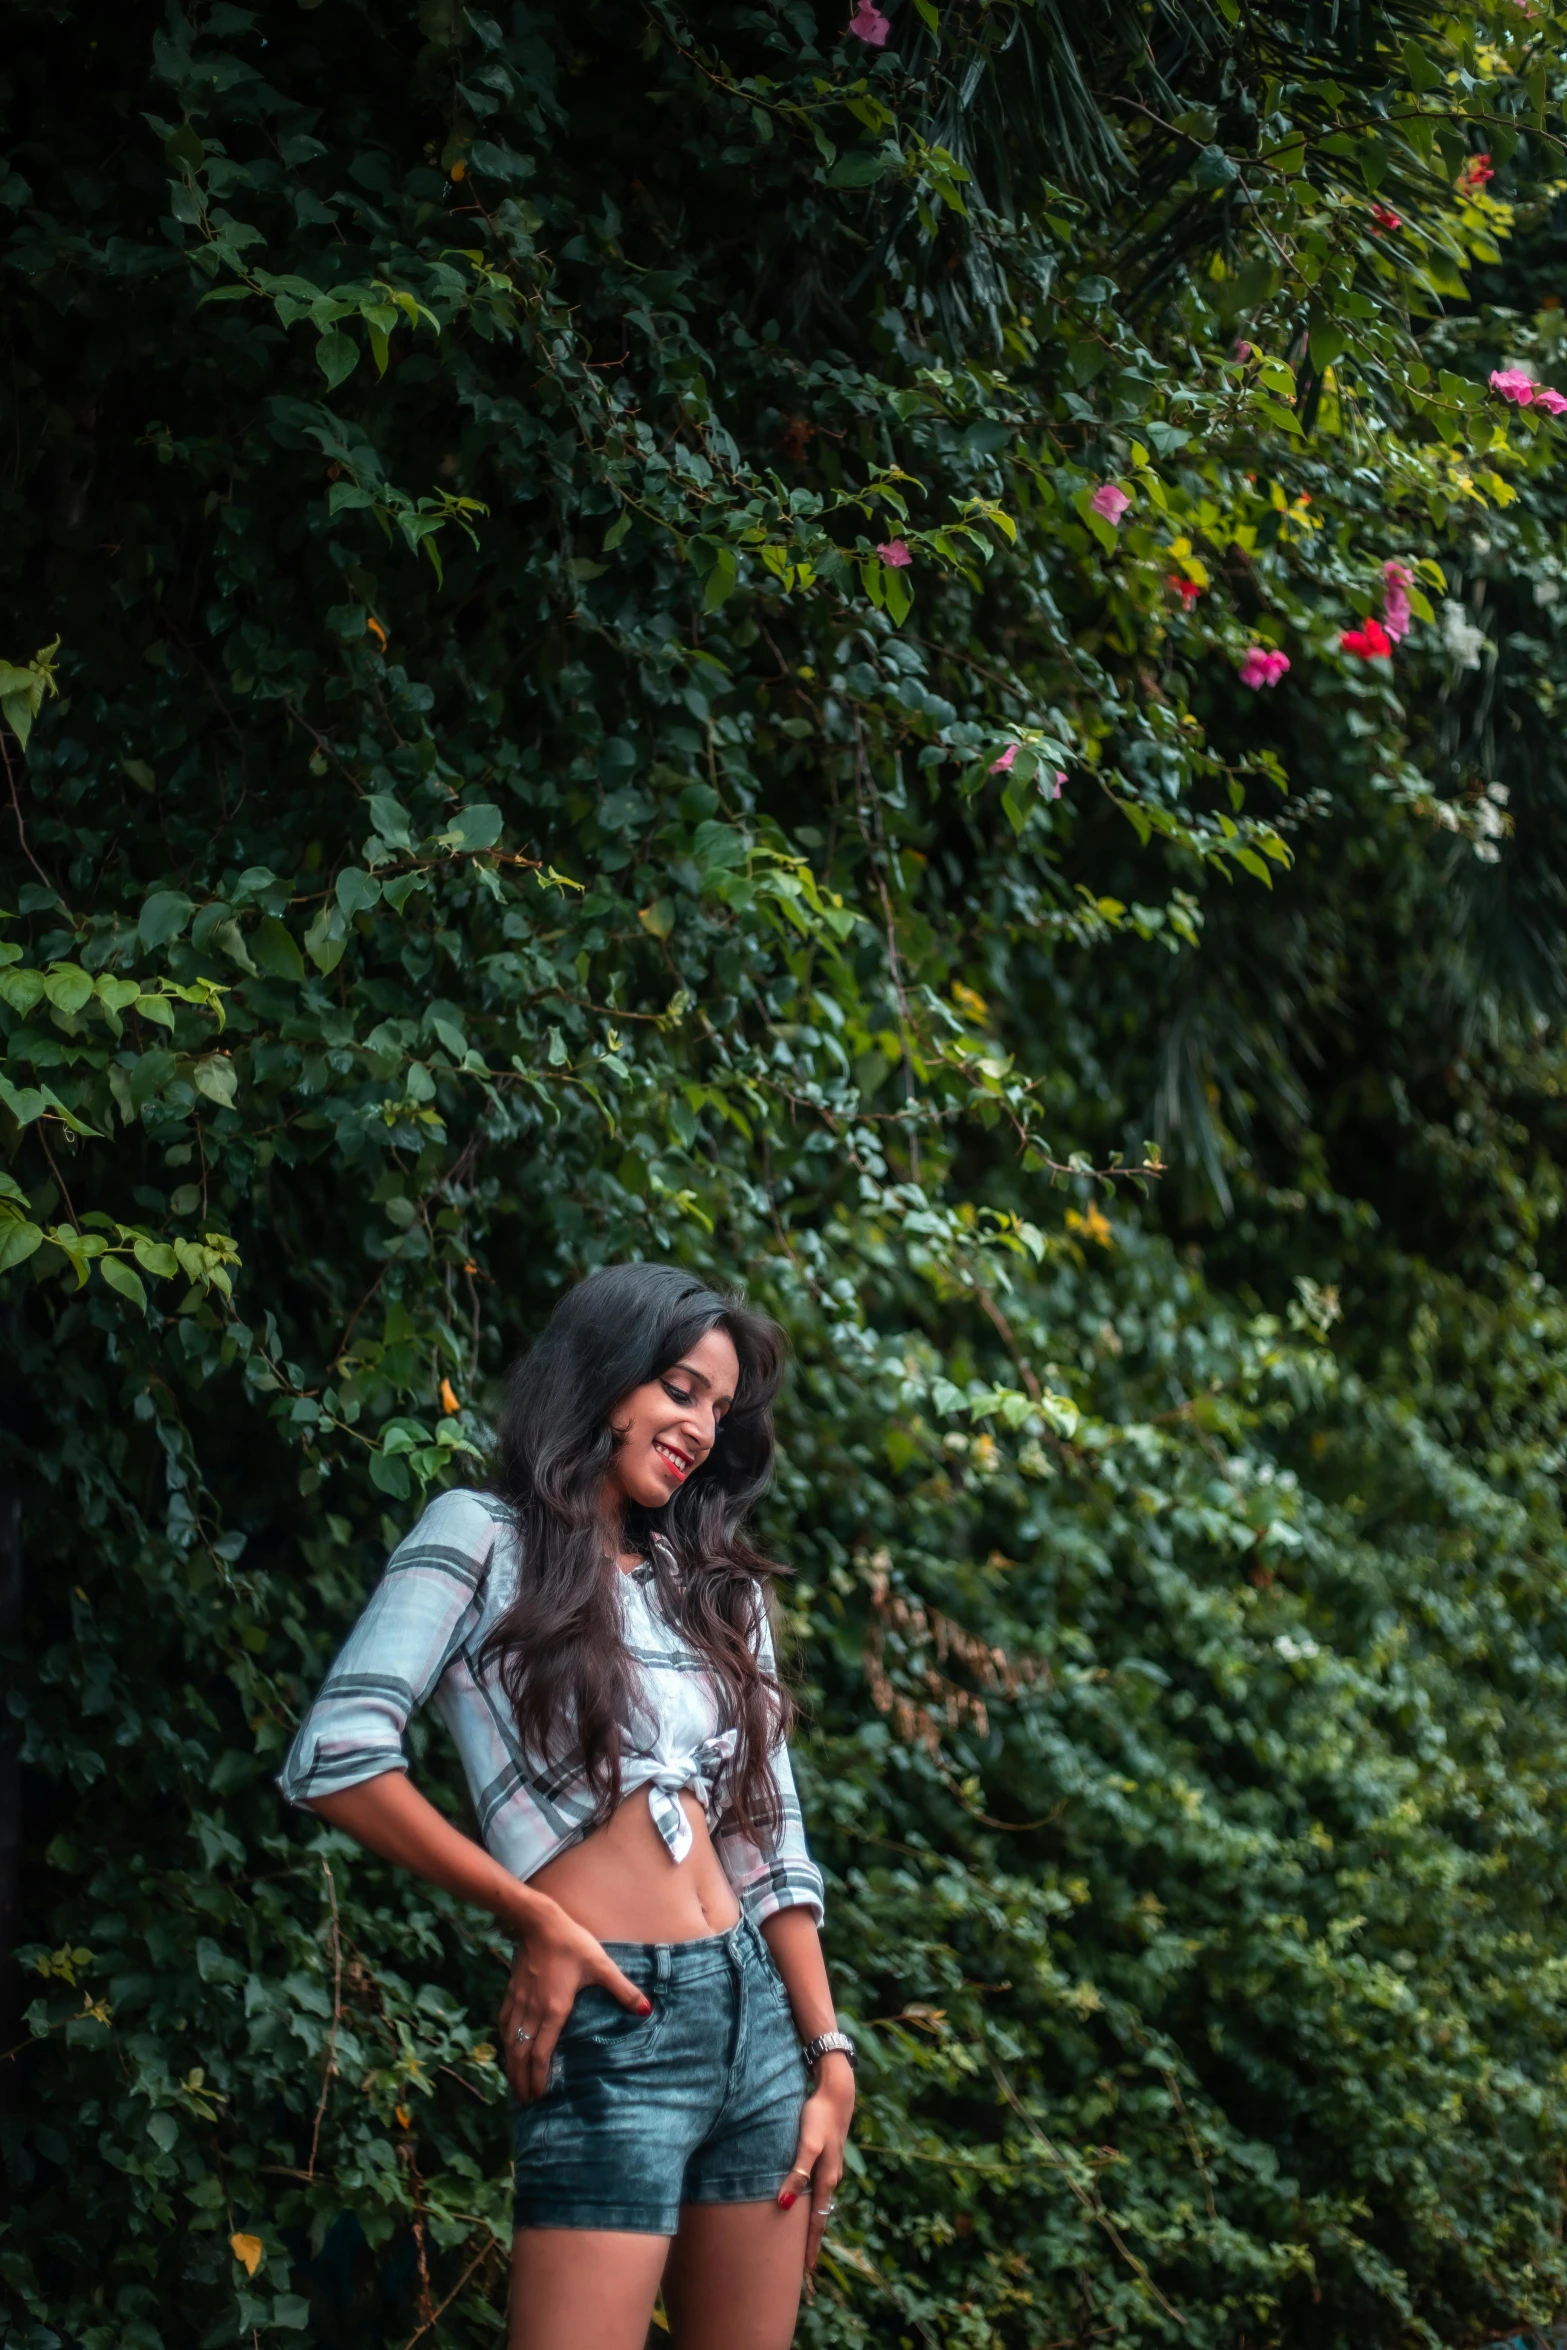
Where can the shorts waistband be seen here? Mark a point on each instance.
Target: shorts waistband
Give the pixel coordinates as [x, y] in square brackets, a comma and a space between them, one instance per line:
[689, 1962]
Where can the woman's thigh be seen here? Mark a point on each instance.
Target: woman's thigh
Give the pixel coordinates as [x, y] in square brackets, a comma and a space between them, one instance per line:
[734, 2275]
[583, 2288]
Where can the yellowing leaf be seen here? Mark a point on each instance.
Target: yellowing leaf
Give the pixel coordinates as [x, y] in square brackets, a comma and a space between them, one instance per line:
[249, 2251]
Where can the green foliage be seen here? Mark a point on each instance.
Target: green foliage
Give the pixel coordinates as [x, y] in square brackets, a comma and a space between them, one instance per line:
[597, 705]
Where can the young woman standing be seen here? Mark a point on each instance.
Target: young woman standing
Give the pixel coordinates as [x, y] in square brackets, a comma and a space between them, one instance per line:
[594, 1633]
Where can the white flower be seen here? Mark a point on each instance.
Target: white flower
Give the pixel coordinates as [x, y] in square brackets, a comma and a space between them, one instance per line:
[1463, 641]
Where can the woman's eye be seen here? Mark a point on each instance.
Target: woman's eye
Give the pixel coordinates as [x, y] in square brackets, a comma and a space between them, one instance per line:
[680, 1395]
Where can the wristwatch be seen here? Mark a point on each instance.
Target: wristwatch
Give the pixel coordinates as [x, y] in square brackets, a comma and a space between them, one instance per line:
[825, 2043]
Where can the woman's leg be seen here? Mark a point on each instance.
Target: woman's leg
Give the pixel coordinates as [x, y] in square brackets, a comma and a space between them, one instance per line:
[734, 2275]
[583, 2288]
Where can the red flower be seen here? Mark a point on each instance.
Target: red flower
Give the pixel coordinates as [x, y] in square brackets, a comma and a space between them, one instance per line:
[1474, 175]
[1384, 219]
[1186, 589]
[1370, 641]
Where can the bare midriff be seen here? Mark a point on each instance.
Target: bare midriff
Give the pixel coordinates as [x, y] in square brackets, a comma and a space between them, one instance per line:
[621, 1883]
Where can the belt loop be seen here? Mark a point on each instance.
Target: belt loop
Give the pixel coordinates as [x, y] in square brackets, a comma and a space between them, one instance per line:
[661, 1964]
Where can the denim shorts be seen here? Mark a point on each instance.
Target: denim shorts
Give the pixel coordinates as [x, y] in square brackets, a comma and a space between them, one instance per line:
[697, 2103]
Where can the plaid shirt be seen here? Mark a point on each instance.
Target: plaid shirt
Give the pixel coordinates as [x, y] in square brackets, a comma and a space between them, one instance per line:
[421, 1637]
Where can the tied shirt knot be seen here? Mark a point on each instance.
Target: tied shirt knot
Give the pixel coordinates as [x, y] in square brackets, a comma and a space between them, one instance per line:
[700, 1771]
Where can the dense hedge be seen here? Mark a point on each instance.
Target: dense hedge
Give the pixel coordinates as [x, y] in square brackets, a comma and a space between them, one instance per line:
[578, 688]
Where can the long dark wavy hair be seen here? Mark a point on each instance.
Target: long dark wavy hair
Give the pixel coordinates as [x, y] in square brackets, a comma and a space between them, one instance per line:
[560, 1647]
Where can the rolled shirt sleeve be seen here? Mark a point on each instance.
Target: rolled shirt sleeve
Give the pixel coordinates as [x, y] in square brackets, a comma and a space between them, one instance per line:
[396, 1653]
[783, 1876]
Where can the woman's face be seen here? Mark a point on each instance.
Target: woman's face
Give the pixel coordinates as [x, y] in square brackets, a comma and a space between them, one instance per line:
[665, 1430]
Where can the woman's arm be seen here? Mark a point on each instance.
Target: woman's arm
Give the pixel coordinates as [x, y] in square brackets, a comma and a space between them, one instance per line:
[555, 1956]
[796, 1945]
[389, 1816]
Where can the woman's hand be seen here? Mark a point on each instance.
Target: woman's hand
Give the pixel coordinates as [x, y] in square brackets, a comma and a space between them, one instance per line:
[555, 1957]
[818, 2158]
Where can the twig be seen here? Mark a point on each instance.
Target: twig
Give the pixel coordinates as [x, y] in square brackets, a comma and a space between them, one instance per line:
[59, 1178]
[462, 2084]
[476, 1334]
[330, 2073]
[959, 2162]
[877, 853]
[436, 2315]
[458, 1172]
[21, 829]
[1192, 2139]
[421, 2246]
[1092, 2204]
[1005, 1332]
[353, 1319]
[988, 1820]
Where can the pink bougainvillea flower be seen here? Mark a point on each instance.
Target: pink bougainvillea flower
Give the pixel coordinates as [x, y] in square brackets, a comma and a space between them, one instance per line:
[1261, 666]
[867, 24]
[1186, 589]
[895, 554]
[1002, 766]
[1551, 401]
[1384, 218]
[1397, 580]
[1109, 501]
[1513, 384]
[1370, 641]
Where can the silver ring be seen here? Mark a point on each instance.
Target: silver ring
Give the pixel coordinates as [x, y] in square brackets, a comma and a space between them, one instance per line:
[522, 2035]
[827, 2214]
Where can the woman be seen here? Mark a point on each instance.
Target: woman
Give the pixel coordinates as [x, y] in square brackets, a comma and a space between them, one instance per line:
[594, 1633]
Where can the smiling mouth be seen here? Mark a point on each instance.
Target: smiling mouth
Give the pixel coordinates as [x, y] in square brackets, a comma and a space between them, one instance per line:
[676, 1462]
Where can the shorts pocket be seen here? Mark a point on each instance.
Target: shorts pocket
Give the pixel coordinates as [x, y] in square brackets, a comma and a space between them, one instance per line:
[604, 2030]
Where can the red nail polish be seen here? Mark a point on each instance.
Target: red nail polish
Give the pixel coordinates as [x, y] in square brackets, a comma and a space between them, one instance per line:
[786, 2202]
[646, 2008]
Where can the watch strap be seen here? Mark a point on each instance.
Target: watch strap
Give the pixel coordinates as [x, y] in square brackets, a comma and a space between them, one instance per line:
[828, 2043]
